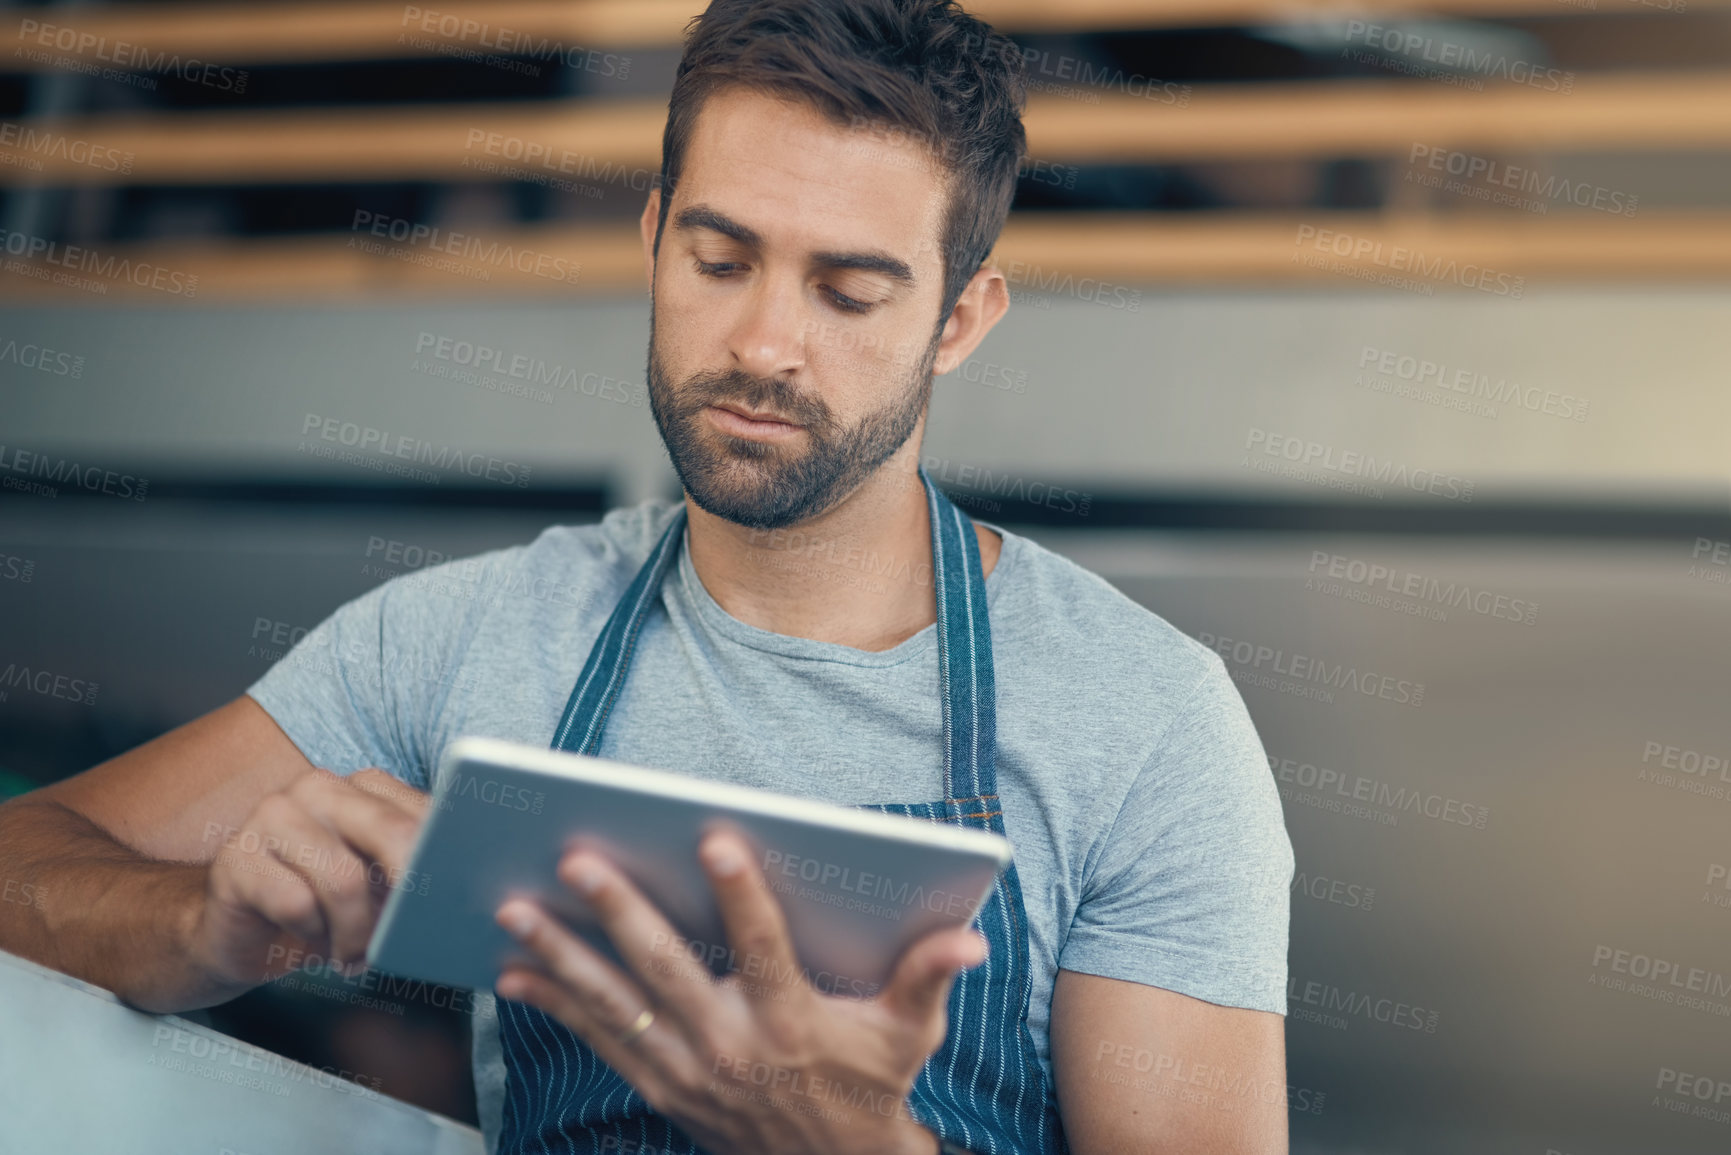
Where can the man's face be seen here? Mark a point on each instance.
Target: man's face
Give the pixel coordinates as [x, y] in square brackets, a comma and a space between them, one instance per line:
[794, 317]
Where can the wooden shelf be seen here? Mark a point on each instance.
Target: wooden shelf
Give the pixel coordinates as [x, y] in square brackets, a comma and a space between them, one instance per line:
[588, 142]
[289, 33]
[1043, 255]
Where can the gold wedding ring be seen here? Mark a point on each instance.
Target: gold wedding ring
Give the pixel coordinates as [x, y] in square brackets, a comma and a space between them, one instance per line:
[640, 1025]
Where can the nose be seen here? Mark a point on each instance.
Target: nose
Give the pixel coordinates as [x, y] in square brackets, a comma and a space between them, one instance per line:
[768, 338]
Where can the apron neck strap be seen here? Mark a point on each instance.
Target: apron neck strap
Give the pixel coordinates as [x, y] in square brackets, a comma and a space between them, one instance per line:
[965, 679]
[964, 631]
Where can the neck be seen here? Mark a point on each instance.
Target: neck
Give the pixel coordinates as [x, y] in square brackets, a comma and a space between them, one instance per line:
[859, 574]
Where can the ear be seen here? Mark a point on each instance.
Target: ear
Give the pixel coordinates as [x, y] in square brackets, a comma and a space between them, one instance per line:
[646, 226]
[983, 303]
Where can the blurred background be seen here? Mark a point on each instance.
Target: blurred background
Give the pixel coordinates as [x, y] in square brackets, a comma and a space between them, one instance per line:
[1390, 336]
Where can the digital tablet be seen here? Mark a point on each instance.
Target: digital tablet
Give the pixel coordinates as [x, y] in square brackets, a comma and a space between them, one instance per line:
[857, 886]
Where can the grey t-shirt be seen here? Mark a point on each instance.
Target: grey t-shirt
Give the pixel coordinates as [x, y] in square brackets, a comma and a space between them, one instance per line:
[1148, 834]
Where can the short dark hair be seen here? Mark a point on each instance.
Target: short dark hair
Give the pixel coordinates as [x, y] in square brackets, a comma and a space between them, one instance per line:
[923, 70]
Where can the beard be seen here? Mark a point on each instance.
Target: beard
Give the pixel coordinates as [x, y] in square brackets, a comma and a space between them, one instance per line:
[761, 485]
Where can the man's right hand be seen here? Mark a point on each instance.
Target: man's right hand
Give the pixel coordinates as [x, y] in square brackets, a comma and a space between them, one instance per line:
[307, 873]
[169, 874]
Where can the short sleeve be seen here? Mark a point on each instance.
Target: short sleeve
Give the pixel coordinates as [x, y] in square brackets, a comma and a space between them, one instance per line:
[360, 688]
[1192, 889]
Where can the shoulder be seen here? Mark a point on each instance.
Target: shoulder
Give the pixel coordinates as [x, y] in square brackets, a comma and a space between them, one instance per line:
[1131, 700]
[566, 567]
[623, 537]
[1077, 621]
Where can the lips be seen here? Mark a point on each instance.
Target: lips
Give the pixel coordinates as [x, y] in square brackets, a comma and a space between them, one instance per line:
[750, 416]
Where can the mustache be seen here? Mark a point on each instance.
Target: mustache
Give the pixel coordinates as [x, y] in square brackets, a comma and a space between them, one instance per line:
[758, 393]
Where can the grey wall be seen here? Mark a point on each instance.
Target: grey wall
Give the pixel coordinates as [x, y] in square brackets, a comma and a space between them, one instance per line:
[1504, 930]
[1167, 395]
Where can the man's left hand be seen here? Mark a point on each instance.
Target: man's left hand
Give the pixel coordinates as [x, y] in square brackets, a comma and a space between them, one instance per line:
[759, 1061]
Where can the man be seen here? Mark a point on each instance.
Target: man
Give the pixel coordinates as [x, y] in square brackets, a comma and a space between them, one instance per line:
[814, 617]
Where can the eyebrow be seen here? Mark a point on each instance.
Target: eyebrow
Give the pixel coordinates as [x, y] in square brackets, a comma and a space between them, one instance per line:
[704, 217]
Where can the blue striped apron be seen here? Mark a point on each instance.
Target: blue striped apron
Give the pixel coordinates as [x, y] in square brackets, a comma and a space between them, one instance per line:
[984, 1088]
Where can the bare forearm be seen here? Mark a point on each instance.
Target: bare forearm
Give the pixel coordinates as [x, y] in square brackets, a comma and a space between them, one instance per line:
[88, 906]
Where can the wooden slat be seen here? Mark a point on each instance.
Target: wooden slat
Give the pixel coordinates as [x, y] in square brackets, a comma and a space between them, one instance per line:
[441, 142]
[1026, 16]
[1231, 247]
[1602, 112]
[293, 33]
[1616, 112]
[1041, 255]
[289, 33]
[605, 259]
